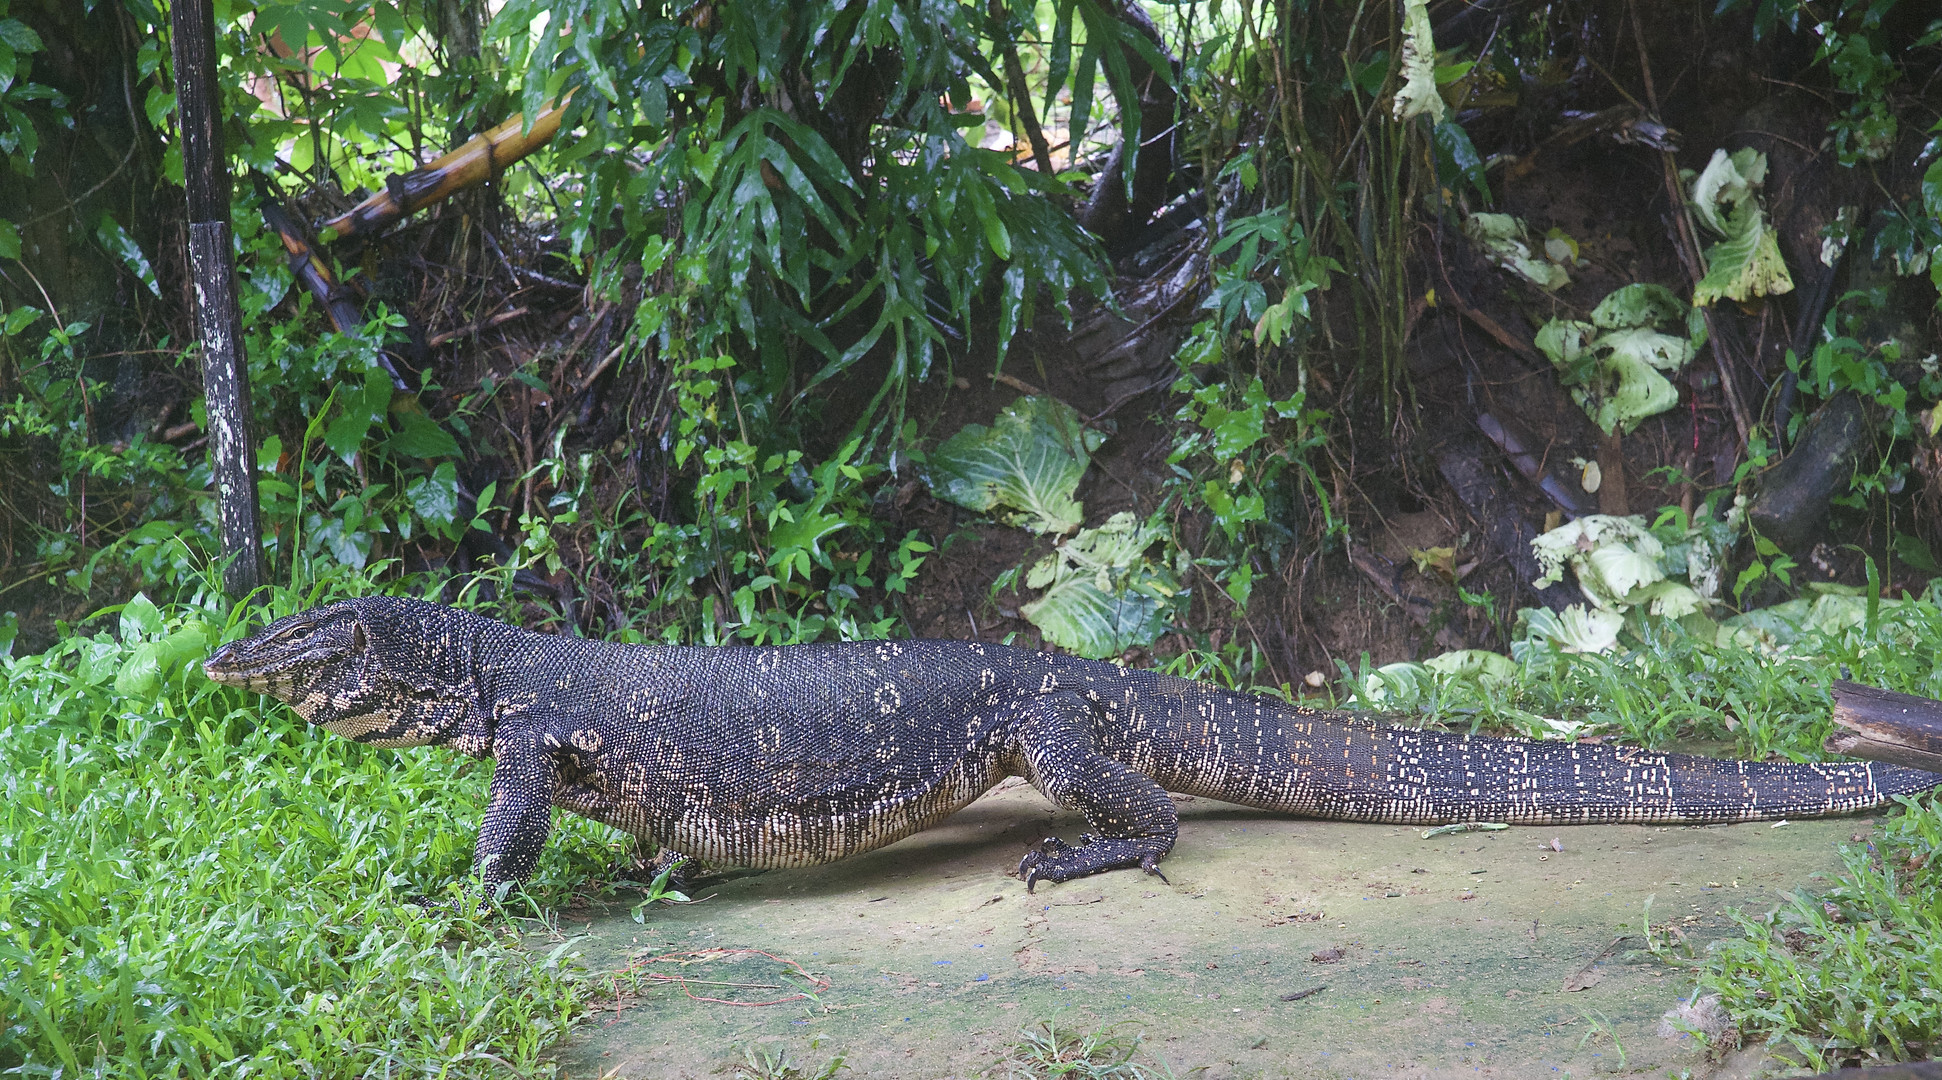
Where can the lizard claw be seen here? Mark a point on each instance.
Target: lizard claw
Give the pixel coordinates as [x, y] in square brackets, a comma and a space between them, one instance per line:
[1037, 853]
[1150, 865]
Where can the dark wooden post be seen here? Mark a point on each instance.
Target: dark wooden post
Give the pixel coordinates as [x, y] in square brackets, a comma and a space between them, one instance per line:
[219, 321]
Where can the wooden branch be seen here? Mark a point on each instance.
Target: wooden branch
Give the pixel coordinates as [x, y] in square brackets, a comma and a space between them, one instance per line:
[1021, 92]
[479, 160]
[1881, 725]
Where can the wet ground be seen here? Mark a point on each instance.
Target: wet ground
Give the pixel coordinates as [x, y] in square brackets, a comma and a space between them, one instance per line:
[1426, 958]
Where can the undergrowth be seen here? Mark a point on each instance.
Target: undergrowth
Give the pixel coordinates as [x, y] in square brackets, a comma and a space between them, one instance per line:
[1852, 972]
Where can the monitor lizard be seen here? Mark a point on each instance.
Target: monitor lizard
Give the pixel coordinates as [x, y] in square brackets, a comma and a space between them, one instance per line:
[788, 756]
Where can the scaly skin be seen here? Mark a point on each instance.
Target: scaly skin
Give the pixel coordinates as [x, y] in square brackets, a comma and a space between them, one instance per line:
[770, 757]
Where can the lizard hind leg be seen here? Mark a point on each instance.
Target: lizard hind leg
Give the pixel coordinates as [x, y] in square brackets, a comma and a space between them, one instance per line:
[1134, 822]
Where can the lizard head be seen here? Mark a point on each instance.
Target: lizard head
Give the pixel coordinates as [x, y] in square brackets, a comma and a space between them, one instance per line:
[381, 670]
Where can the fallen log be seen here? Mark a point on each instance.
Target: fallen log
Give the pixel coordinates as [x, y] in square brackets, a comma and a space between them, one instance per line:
[1881, 725]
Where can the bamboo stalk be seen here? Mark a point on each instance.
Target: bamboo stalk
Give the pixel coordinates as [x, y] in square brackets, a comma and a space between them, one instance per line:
[479, 160]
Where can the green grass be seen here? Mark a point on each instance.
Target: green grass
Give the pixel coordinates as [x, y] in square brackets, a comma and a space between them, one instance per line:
[1854, 971]
[192, 883]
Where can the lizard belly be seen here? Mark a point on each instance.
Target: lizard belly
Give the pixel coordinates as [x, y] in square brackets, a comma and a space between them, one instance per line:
[805, 833]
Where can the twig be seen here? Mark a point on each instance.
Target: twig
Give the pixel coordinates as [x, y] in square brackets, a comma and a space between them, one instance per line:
[1019, 385]
[1365, 561]
[605, 363]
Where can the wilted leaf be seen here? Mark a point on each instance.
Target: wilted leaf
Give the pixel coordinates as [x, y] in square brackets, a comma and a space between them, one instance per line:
[1479, 663]
[1575, 630]
[1030, 459]
[1102, 596]
[1747, 262]
[1663, 351]
[1638, 304]
[1502, 238]
[1402, 679]
[1612, 556]
[1626, 391]
[1615, 375]
[1418, 94]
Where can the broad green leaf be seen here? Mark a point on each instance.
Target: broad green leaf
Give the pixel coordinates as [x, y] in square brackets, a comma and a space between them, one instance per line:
[806, 532]
[1102, 596]
[1638, 304]
[1418, 95]
[140, 619]
[420, 436]
[1627, 390]
[123, 246]
[1030, 459]
[156, 660]
[436, 497]
[345, 435]
[9, 240]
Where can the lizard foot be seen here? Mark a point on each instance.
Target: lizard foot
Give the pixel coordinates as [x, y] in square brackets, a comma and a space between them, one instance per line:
[1052, 859]
[680, 870]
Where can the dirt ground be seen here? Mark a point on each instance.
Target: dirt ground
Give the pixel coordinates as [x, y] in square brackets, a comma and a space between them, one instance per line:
[1427, 958]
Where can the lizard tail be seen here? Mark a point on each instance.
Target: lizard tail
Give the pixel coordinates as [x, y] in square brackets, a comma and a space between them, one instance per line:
[1354, 770]
[1432, 776]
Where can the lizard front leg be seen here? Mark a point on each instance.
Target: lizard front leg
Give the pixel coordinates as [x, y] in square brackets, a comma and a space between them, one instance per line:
[1134, 821]
[519, 812]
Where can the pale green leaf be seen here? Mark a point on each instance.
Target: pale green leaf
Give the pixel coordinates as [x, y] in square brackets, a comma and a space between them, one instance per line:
[1502, 238]
[1102, 595]
[1638, 304]
[1418, 95]
[1648, 346]
[1030, 460]
[1747, 263]
[1627, 390]
[1477, 663]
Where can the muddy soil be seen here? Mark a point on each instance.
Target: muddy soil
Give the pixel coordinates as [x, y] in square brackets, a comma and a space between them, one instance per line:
[1419, 958]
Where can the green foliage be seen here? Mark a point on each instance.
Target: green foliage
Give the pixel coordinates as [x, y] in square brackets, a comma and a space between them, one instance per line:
[1102, 594]
[1052, 1053]
[192, 883]
[1855, 971]
[810, 220]
[1030, 460]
